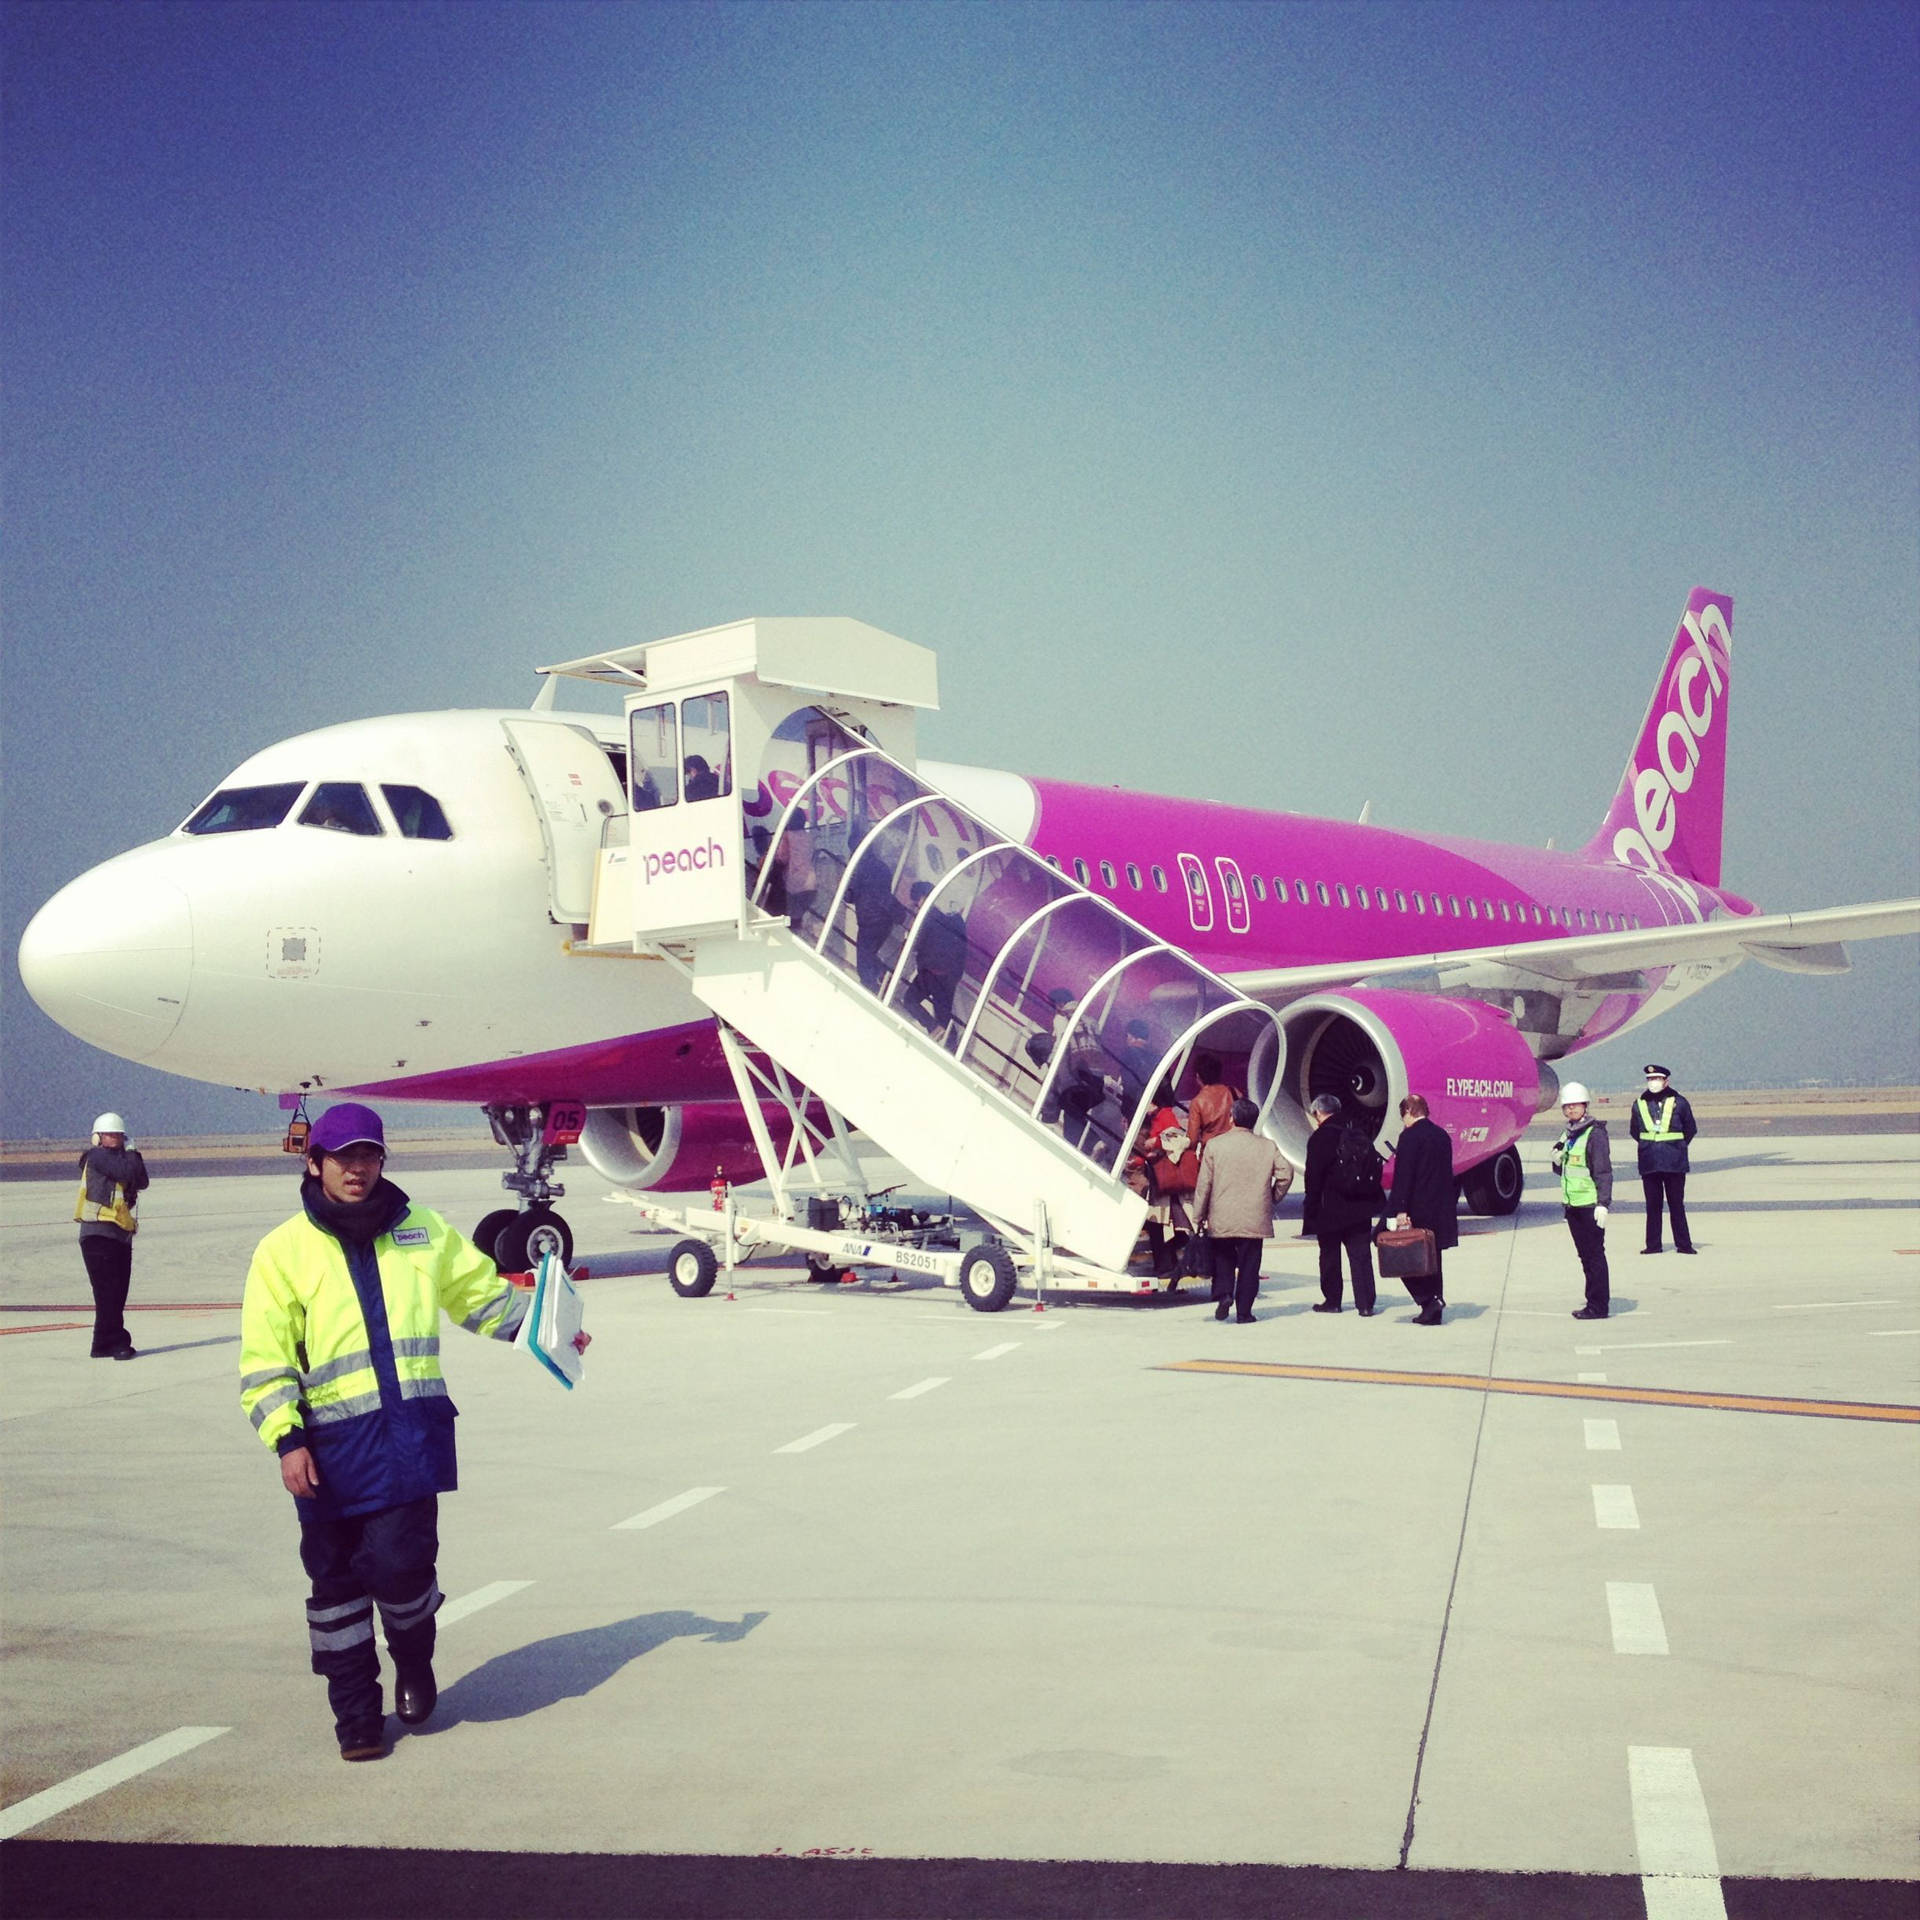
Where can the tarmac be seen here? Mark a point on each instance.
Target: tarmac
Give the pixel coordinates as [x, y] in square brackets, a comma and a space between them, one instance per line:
[846, 1599]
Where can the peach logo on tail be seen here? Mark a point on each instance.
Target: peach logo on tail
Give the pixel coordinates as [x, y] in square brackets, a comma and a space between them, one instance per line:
[1691, 703]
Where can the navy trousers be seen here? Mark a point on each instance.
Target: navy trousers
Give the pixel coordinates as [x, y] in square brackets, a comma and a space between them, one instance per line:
[109, 1274]
[379, 1560]
[1590, 1242]
[1672, 1189]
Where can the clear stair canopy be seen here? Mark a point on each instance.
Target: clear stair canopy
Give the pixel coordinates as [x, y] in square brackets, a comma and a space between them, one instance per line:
[1071, 1012]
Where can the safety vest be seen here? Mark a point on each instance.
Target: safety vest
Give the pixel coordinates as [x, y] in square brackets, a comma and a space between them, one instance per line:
[1577, 1188]
[117, 1212]
[1662, 1128]
[307, 1356]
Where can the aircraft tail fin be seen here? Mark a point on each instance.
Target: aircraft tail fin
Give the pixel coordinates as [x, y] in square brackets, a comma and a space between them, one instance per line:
[1666, 816]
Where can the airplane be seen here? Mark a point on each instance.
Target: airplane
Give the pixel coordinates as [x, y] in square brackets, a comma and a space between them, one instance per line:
[398, 907]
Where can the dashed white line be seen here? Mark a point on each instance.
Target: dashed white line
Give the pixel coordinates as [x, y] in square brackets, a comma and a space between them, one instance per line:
[1679, 1866]
[1603, 1436]
[994, 1353]
[1634, 1610]
[919, 1387]
[818, 1437]
[666, 1509]
[1628, 1346]
[1591, 1379]
[452, 1611]
[1823, 1306]
[1614, 1510]
[110, 1773]
[1893, 1333]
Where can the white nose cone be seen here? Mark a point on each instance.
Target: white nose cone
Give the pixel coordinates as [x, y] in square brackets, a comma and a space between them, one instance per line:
[110, 957]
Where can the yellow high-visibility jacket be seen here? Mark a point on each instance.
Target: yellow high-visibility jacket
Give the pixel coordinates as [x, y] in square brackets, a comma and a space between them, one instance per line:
[340, 1351]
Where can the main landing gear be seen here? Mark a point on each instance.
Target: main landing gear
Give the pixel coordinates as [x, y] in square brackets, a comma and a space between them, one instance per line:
[539, 1136]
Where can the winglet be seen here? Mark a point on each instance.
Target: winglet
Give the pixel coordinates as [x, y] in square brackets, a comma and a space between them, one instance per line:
[1667, 815]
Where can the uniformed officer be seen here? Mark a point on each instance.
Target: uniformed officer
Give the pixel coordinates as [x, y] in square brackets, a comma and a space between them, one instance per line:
[1583, 1159]
[1663, 1124]
[340, 1375]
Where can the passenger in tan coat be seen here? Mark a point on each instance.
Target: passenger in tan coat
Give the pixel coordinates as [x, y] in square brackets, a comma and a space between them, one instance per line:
[1243, 1177]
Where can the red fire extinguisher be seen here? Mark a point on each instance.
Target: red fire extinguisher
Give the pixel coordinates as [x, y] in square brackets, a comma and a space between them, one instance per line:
[718, 1188]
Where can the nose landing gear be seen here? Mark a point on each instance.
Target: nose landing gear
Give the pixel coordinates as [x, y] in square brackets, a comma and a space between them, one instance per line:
[539, 1136]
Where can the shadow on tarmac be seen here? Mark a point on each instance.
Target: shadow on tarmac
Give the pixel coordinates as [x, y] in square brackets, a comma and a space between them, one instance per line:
[568, 1665]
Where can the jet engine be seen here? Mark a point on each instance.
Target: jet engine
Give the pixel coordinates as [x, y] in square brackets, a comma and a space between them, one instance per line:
[674, 1149]
[1371, 1048]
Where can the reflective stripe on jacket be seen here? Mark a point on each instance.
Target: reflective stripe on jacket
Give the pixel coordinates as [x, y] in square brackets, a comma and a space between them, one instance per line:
[344, 1343]
[1663, 1137]
[1578, 1186]
[1658, 1126]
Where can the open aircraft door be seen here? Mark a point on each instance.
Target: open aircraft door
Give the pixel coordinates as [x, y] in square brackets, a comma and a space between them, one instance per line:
[574, 793]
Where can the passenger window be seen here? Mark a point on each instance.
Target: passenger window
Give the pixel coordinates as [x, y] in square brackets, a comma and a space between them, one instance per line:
[1300, 894]
[1364, 898]
[1399, 899]
[1320, 887]
[418, 813]
[1536, 913]
[1259, 887]
[1380, 895]
[1454, 901]
[342, 805]
[1419, 903]
[654, 761]
[1133, 876]
[1486, 909]
[1159, 879]
[706, 746]
[1053, 860]
[244, 809]
[1339, 887]
[1106, 873]
[1473, 912]
[1080, 871]
[1504, 913]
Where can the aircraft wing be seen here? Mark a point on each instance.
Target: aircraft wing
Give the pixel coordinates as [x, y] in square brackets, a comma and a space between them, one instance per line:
[1612, 962]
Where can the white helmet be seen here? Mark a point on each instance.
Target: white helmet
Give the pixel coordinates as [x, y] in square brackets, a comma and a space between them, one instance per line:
[109, 1123]
[1573, 1094]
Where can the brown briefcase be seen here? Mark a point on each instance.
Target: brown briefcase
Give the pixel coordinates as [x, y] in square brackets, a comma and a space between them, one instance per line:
[1407, 1253]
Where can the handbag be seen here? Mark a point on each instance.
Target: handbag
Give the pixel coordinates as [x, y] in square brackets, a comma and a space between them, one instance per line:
[1407, 1253]
[1196, 1258]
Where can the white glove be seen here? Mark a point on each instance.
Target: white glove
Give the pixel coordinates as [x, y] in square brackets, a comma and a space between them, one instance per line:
[1599, 1216]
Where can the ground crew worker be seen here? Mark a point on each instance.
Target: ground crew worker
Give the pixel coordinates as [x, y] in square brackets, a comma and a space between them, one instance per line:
[1663, 1124]
[1583, 1159]
[340, 1375]
[112, 1177]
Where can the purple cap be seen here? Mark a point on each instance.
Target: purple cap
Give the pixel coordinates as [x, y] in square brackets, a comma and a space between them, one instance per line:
[345, 1126]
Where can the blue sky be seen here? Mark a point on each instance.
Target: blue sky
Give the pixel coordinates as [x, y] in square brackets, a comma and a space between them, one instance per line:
[1293, 404]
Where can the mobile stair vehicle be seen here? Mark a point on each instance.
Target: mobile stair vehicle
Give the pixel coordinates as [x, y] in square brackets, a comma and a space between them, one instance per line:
[881, 956]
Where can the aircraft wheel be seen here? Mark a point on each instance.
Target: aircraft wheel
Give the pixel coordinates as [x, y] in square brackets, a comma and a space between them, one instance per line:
[487, 1233]
[1496, 1187]
[987, 1279]
[691, 1267]
[528, 1237]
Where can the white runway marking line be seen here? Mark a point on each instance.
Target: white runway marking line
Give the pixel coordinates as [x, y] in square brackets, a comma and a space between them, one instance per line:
[1614, 1510]
[1634, 1609]
[1603, 1436]
[920, 1386]
[1893, 1333]
[1591, 1379]
[818, 1437]
[452, 1611]
[1628, 1346]
[110, 1773]
[1821, 1306]
[1679, 1868]
[994, 1353]
[666, 1509]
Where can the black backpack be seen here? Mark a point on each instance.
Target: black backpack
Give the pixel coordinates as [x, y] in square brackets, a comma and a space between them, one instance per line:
[1356, 1166]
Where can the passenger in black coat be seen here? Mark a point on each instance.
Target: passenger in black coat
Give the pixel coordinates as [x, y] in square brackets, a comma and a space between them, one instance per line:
[1424, 1196]
[1339, 1221]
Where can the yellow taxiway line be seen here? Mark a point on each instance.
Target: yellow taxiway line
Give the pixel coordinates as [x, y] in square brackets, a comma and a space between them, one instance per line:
[1558, 1390]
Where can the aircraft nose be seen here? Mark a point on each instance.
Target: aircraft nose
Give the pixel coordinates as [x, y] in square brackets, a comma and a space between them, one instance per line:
[110, 956]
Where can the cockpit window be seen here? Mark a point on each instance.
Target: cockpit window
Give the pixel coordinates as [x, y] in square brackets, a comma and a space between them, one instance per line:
[342, 805]
[418, 813]
[245, 809]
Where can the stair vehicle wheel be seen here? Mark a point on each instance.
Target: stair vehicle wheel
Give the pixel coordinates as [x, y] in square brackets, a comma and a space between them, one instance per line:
[691, 1267]
[529, 1237]
[822, 1266]
[987, 1279]
[486, 1235]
